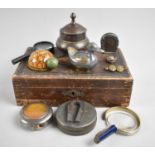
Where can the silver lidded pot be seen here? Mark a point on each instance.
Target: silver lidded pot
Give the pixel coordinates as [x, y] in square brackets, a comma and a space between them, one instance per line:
[72, 35]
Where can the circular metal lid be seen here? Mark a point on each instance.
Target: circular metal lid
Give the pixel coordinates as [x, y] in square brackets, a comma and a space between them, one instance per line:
[35, 115]
[76, 117]
[73, 31]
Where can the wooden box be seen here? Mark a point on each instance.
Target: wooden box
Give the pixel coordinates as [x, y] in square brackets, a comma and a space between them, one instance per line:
[97, 86]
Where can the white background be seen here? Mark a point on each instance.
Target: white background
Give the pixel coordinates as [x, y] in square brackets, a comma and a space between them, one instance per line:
[20, 28]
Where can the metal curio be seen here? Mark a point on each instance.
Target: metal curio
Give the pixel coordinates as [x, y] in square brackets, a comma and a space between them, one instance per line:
[72, 35]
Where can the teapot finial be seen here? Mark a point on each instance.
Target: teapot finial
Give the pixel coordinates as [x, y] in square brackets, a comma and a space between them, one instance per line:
[73, 16]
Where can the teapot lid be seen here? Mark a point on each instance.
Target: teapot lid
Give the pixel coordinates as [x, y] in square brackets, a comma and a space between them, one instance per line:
[73, 28]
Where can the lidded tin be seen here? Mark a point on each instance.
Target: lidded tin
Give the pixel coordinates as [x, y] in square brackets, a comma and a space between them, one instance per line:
[35, 115]
[76, 117]
[72, 35]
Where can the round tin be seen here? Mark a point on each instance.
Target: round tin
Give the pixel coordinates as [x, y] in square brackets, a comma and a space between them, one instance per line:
[35, 115]
[76, 117]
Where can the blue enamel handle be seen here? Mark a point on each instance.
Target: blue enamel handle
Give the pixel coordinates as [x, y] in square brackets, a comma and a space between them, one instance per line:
[105, 133]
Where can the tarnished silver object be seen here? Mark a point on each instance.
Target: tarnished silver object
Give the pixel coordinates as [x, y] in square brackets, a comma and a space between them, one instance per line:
[93, 47]
[111, 59]
[35, 116]
[76, 117]
[109, 42]
[72, 35]
[82, 59]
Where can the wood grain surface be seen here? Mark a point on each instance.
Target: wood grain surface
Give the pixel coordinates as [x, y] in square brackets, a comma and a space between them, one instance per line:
[97, 86]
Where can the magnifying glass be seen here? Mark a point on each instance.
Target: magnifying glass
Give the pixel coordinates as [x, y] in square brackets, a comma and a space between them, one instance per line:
[119, 120]
[46, 45]
[42, 45]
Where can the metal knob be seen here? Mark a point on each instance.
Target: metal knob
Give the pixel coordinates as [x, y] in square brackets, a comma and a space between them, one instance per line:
[73, 16]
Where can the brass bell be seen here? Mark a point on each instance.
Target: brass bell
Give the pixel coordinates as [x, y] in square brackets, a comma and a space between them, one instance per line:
[72, 35]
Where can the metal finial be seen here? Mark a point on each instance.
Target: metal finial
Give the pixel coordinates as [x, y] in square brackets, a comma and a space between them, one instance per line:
[73, 16]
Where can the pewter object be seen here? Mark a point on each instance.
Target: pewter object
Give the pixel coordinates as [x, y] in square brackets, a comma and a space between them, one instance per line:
[109, 42]
[76, 117]
[111, 59]
[72, 35]
[93, 47]
[35, 123]
[82, 59]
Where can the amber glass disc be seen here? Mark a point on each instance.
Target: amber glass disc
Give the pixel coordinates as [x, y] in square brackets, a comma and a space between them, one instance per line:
[35, 110]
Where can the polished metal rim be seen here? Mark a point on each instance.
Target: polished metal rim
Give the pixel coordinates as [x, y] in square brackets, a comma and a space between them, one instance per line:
[37, 123]
[126, 111]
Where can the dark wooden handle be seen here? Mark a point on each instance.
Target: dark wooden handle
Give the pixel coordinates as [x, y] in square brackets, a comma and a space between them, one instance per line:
[24, 56]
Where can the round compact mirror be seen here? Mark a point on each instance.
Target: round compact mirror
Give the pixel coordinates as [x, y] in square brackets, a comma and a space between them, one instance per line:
[35, 115]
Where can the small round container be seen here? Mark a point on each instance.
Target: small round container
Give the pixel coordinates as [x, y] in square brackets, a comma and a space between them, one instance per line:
[76, 117]
[35, 115]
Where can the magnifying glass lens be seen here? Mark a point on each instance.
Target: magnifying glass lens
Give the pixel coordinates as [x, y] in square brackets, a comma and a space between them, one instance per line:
[44, 45]
[122, 120]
